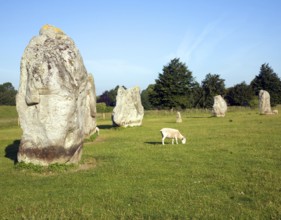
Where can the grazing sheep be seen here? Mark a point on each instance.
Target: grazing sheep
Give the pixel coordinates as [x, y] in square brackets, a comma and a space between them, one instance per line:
[97, 130]
[275, 112]
[172, 133]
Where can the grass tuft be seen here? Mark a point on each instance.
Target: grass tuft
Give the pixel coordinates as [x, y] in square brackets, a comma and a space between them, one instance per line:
[37, 169]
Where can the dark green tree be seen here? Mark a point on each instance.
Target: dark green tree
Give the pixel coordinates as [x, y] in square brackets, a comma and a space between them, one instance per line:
[212, 85]
[241, 94]
[145, 97]
[109, 97]
[196, 95]
[268, 80]
[173, 88]
[7, 94]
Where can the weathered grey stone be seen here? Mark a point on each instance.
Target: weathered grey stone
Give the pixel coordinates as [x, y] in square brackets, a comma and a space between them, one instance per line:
[90, 108]
[55, 101]
[219, 107]
[178, 118]
[128, 110]
[264, 103]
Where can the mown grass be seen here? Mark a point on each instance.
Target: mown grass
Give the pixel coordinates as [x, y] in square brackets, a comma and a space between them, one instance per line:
[229, 169]
[8, 116]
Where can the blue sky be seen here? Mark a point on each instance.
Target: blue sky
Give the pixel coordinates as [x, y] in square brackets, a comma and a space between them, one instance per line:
[127, 42]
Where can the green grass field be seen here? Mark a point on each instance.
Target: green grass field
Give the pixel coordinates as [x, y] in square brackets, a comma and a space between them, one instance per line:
[230, 168]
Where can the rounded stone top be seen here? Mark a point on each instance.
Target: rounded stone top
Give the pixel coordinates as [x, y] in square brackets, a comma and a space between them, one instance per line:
[50, 30]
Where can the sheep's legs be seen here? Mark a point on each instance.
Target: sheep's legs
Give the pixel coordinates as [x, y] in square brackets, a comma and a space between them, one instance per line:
[173, 139]
[163, 140]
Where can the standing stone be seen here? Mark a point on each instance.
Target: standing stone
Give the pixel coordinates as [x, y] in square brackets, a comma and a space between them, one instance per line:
[91, 110]
[128, 110]
[264, 103]
[56, 100]
[178, 118]
[219, 107]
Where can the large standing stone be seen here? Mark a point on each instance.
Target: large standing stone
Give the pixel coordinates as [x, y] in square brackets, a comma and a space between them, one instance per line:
[56, 100]
[219, 107]
[128, 110]
[264, 103]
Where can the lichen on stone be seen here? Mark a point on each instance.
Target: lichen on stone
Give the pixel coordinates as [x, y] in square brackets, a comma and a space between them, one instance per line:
[50, 29]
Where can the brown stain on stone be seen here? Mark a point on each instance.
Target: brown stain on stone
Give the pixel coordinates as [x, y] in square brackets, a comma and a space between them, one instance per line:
[49, 154]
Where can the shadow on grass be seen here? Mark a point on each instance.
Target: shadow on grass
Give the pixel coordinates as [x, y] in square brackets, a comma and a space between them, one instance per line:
[11, 151]
[105, 126]
[153, 142]
[200, 116]
[174, 122]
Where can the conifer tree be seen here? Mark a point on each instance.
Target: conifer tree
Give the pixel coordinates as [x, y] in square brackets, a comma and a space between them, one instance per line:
[173, 88]
[268, 80]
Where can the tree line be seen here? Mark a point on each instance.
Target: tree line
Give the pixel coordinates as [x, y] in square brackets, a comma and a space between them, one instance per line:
[7, 94]
[176, 88]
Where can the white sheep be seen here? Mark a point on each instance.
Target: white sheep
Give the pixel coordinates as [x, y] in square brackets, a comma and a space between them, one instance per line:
[172, 133]
[275, 112]
[97, 130]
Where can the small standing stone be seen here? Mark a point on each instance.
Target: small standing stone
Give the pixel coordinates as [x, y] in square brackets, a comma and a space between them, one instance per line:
[178, 118]
[264, 103]
[219, 107]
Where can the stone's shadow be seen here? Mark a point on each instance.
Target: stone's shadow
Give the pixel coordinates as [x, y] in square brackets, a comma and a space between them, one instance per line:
[174, 122]
[11, 151]
[200, 116]
[105, 126]
[153, 142]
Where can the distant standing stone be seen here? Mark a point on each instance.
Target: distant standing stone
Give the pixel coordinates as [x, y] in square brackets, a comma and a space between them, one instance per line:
[178, 118]
[264, 103]
[128, 110]
[219, 107]
[56, 100]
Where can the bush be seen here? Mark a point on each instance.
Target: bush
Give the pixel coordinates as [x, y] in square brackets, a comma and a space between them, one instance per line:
[254, 103]
[102, 108]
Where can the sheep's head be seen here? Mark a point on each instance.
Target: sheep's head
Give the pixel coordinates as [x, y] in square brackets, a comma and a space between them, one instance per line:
[183, 140]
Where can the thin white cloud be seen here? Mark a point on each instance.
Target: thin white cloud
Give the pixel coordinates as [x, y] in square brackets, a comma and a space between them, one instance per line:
[188, 46]
[201, 51]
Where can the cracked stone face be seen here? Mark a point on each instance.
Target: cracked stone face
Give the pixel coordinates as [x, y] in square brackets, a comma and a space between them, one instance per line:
[56, 100]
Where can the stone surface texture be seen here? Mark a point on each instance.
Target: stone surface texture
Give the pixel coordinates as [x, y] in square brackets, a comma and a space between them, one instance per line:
[56, 100]
[128, 110]
[264, 103]
[219, 107]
